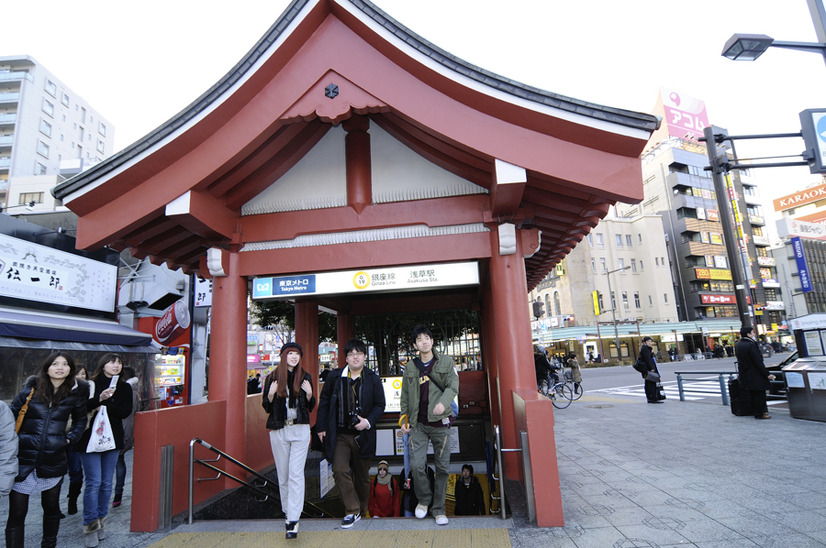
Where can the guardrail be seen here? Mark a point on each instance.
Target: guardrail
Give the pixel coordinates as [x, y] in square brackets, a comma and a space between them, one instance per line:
[526, 465]
[720, 375]
[261, 489]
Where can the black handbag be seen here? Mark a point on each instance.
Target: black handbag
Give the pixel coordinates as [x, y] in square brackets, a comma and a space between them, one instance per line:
[660, 391]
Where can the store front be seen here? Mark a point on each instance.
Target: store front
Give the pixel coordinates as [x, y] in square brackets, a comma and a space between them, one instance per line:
[339, 152]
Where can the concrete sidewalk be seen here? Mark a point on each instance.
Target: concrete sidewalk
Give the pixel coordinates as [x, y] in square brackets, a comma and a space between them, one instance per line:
[632, 474]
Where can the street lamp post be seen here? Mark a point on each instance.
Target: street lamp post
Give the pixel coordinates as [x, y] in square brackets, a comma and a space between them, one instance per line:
[614, 307]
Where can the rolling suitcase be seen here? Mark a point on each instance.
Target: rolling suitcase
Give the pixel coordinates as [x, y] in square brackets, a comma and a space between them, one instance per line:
[739, 399]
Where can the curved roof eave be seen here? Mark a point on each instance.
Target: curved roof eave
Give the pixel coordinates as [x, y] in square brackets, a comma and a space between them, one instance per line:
[634, 120]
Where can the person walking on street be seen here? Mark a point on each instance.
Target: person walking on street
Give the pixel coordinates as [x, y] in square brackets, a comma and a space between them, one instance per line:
[73, 453]
[99, 467]
[288, 400]
[47, 402]
[647, 357]
[754, 376]
[128, 436]
[351, 404]
[427, 392]
[576, 371]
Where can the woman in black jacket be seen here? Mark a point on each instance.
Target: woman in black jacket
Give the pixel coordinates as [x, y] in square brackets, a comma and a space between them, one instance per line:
[288, 399]
[99, 468]
[56, 397]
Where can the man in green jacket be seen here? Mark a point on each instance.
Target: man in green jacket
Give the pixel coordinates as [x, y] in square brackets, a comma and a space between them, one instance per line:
[429, 385]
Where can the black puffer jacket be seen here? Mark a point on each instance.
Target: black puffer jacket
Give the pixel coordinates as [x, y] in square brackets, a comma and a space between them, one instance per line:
[43, 437]
[118, 407]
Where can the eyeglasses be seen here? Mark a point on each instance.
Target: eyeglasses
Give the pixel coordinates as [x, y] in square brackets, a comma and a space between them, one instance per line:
[354, 354]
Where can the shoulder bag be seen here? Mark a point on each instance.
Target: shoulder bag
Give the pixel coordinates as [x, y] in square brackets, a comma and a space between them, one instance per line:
[22, 412]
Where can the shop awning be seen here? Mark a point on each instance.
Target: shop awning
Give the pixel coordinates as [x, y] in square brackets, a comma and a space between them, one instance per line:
[54, 327]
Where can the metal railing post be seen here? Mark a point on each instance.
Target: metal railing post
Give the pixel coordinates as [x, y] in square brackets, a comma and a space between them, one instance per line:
[723, 390]
[680, 386]
[526, 467]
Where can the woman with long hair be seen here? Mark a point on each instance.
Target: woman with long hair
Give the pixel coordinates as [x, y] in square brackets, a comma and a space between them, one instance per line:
[288, 400]
[99, 468]
[48, 400]
[73, 456]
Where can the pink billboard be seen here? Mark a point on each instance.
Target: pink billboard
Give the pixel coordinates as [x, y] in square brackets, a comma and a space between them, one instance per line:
[684, 116]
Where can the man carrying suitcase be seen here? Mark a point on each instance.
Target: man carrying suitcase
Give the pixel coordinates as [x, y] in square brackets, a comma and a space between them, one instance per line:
[754, 376]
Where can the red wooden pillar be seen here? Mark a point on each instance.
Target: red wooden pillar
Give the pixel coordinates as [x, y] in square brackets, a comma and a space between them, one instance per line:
[228, 351]
[512, 336]
[306, 334]
[344, 332]
[359, 166]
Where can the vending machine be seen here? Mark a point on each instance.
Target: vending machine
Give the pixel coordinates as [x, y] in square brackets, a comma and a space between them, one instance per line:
[170, 377]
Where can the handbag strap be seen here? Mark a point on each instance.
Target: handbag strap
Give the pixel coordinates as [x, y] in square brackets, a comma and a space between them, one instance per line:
[22, 412]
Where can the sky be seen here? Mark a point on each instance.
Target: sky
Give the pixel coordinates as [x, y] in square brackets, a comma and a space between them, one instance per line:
[139, 63]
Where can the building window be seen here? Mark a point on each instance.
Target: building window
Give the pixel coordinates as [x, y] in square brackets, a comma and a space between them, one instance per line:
[45, 128]
[621, 263]
[593, 266]
[39, 169]
[619, 240]
[101, 146]
[599, 299]
[48, 107]
[625, 299]
[102, 128]
[628, 240]
[650, 301]
[28, 197]
[657, 261]
[665, 298]
[637, 299]
[600, 242]
[613, 301]
[65, 100]
[557, 305]
[641, 265]
[633, 265]
[43, 149]
[591, 240]
[602, 266]
[51, 88]
[639, 237]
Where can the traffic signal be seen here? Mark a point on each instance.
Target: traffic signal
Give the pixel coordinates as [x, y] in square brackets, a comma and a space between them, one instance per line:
[538, 309]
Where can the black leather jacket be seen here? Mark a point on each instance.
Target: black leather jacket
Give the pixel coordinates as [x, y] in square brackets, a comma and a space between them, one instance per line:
[277, 410]
[43, 437]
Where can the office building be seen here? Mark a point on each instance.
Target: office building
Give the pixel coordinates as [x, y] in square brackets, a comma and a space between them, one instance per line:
[47, 133]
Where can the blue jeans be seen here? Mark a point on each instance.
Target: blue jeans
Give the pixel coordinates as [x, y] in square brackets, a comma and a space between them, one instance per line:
[98, 469]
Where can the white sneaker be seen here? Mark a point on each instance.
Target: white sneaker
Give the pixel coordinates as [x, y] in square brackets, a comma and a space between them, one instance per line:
[421, 511]
[441, 520]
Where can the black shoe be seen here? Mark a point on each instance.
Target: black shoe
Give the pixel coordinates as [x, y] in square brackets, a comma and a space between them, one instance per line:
[350, 520]
[117, 501]
[292, 529]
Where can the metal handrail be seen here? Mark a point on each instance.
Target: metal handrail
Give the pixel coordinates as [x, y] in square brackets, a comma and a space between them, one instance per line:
[501, 478]
[207, 463]
[720, 375]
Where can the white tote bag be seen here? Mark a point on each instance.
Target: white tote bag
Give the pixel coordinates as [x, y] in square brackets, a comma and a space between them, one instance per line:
[102, 438]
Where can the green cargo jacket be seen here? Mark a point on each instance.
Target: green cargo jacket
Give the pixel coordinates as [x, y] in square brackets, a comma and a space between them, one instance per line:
[444, 375]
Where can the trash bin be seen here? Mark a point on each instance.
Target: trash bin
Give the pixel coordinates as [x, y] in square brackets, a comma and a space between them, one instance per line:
[806, 388]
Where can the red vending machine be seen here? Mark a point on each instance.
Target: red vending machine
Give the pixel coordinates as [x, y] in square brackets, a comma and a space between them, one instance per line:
[171, 330]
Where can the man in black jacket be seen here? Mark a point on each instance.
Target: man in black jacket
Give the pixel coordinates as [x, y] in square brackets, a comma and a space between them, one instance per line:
[754, 376]
[647, 357]
[351, 403]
